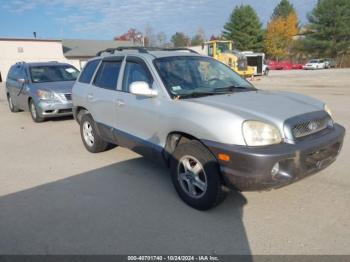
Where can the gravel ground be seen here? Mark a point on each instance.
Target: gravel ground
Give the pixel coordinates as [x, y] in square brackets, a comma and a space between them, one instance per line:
[56, 198]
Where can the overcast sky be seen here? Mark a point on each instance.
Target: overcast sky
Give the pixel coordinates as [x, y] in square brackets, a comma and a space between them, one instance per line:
[103, 19]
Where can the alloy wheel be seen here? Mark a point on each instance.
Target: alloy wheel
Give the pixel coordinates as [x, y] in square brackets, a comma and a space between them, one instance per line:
[88, 134]
[192, 177]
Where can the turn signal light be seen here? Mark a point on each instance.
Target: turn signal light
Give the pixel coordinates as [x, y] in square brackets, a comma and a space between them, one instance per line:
[224, 157]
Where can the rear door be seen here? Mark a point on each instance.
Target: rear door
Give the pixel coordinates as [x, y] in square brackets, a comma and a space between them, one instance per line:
[24, 89]
[102, 95]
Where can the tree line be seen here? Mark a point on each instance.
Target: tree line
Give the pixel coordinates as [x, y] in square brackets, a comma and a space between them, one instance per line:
[327, 33]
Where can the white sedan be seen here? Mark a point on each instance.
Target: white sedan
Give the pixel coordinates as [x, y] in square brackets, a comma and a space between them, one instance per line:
[315, 64]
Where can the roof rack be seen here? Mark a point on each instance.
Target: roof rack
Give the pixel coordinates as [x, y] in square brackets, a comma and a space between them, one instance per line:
[180, 49]
[143, 49]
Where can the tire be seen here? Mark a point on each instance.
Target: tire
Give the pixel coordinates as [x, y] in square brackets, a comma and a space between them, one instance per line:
[201, 188]
[33, 109]
[90, 137]
[12, 107]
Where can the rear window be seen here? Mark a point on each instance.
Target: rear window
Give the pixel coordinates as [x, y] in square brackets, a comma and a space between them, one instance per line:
[53, 73]
[88, 71]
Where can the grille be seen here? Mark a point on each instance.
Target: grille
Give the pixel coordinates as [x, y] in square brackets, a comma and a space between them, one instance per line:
[62, 111]
[310, 127]
[321, 158]
[68, 96]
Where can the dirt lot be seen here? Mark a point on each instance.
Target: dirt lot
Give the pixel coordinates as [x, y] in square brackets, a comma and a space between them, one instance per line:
[57, 198]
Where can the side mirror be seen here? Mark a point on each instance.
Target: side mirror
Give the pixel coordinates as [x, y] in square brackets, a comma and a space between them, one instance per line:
[22, 81]
[142, 88]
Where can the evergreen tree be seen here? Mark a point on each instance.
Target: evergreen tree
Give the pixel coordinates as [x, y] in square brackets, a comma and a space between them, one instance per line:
[244, 29]
[329, 29]
[283, 9]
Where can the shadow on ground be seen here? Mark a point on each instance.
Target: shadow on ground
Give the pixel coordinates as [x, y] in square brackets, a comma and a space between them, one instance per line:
[125, 208]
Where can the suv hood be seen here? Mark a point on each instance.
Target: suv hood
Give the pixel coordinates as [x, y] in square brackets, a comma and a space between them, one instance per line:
[270, 106]
[57, 87]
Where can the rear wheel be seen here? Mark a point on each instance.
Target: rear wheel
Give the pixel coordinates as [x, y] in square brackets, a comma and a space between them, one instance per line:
[12, 107]
[196, 176]
[34, 112]
[90, 137]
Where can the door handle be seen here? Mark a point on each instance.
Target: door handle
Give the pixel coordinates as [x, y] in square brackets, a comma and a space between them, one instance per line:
[90, 97]
[120, 102]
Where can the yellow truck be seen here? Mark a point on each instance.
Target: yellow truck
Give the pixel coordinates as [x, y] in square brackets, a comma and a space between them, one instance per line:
[222, 50]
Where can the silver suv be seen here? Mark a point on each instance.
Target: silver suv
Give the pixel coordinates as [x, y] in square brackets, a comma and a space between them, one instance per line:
[213, 129]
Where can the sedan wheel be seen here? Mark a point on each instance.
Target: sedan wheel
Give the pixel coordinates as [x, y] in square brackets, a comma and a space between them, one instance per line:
[34, 112]
[12, 107]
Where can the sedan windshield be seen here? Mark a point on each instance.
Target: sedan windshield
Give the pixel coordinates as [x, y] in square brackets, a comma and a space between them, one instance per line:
[53, 73]
[189, 76]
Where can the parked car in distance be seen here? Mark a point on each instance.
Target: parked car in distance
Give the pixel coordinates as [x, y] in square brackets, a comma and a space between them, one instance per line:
[283, 65]
[315, 64]
[330, 63]
[212, 128]
[43, 89]
[297, 66]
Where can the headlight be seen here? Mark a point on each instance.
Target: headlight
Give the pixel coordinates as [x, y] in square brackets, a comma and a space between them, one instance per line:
[258, 133]
[328, 110]
[46, 95]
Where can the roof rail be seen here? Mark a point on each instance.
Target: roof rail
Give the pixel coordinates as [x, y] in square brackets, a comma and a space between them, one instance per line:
[121, 48]
[143, 49]
[180, 49]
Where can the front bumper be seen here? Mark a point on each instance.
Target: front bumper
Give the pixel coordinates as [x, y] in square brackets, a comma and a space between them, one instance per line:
[55, 109]
[309, 67]
[250, 168]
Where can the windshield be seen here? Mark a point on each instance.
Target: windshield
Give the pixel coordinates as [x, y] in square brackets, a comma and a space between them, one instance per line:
[188, 75]
[53, 73]
[314, 61]
[223, 47]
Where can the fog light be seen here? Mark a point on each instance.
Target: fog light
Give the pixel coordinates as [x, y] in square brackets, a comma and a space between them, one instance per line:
[275, 169]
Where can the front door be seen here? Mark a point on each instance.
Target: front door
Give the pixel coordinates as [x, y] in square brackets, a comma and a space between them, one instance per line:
[137, 116]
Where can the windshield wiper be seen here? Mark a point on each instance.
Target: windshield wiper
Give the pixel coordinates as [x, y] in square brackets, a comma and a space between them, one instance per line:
[196, 94]
[217, 91]
[235, 88]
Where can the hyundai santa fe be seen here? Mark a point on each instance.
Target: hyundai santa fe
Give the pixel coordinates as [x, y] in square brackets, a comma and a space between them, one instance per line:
[214, 130]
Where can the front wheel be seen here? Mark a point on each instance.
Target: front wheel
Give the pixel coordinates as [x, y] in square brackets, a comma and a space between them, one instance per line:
[34, 112]
[196, 176]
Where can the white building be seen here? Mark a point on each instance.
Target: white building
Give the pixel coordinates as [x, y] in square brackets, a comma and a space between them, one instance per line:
[74, 52]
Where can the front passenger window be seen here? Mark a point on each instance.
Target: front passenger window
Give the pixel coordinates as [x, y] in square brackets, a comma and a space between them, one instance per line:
[135, 72]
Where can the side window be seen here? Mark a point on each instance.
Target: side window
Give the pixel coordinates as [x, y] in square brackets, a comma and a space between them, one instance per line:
[88, 71]
[107, 75]
[14, 73]
[10, 74]
[135, 72]
[22, 73]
